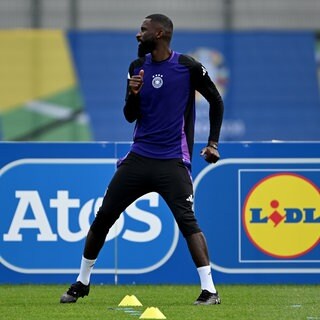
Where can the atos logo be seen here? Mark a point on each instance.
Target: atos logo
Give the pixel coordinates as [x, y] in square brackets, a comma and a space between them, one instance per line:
[281, 215]
[48, 205]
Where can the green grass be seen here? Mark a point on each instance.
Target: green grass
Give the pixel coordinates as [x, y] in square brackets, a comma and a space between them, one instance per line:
[241, 302]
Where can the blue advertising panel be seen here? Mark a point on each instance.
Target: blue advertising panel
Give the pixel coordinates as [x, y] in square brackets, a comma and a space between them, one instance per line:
[268, 81]
[259, 208]
[273, 222]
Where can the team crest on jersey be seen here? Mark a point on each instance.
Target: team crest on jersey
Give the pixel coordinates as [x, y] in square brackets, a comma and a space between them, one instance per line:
[157, 81]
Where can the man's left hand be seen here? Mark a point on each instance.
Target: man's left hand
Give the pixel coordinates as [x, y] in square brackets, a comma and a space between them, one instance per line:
[210, 154]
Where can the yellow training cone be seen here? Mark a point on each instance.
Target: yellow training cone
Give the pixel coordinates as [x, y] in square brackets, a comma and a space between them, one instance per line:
[152, 313]
[130, 301]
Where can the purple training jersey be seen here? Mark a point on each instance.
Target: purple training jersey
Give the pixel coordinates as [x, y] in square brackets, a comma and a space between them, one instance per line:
[164, 109]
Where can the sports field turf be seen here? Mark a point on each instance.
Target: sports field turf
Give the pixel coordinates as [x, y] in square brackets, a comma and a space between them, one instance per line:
[239, 302]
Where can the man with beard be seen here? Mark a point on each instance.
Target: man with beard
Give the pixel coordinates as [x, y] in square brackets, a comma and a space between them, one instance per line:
[161, 99]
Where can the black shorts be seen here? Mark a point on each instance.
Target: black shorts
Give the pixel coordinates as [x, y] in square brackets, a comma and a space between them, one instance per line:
[138, 175]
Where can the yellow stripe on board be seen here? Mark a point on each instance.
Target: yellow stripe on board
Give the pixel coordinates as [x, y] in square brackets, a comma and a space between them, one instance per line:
[33, 64]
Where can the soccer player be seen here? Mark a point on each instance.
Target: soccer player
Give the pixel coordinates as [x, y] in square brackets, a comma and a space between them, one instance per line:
[161, 99]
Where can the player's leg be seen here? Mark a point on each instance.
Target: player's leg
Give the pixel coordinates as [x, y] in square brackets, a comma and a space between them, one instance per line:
[126, 186]
[199, 251]
[177, 190]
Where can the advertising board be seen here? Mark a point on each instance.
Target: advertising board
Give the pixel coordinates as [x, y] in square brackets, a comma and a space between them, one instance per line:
[259, 208]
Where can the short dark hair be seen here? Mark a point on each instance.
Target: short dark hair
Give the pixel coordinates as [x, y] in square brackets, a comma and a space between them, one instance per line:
[165, 23]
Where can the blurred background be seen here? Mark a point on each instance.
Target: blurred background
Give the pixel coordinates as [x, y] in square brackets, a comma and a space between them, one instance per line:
[64, 64]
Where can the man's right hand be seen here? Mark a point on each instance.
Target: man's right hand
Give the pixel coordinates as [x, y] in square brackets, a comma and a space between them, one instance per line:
[136, 82]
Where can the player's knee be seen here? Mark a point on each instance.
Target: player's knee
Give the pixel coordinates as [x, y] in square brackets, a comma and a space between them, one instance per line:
[188, 225]
[102, 223]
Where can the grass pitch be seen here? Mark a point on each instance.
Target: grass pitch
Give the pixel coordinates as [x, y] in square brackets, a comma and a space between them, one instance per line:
[241, 302]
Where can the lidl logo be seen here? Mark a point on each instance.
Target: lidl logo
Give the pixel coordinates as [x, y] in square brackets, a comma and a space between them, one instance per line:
[281, 215]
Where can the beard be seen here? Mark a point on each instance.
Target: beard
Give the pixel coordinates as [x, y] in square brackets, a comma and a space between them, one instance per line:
[146, 47]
